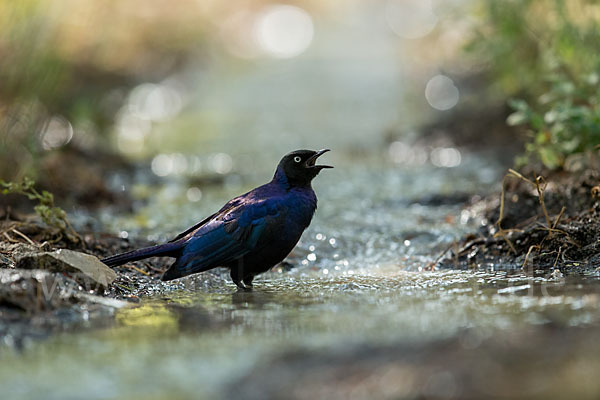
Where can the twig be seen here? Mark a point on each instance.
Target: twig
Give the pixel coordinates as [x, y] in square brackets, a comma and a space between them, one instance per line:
[31, 242]
[552, 230]
[562, 211]
[161, 270]
[501, 204]
[527, 255]
[10, 239]
[501, 231]
[141, 271]
[74, 232]
[123, 287]
[541, 191]
[434, 263]
[557, 256]
[540, 185]
[455, 245]
[9, 227]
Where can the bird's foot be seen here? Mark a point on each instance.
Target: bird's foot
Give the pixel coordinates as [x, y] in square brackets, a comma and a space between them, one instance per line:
[248, 281]
[242, 287]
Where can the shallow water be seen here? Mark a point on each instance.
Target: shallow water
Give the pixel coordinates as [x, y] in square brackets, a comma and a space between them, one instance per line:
[359, 280]
[369, 286]
[198, 343]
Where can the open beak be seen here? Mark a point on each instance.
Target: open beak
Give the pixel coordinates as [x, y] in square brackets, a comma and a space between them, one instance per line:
[312, 160]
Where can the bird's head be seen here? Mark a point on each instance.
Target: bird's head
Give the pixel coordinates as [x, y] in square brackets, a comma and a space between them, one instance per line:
[299, 167]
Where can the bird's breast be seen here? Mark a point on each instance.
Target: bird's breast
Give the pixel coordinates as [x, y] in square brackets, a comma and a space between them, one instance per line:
[302, 206]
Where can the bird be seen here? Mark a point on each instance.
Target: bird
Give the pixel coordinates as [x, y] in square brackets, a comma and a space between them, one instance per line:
[251, 233]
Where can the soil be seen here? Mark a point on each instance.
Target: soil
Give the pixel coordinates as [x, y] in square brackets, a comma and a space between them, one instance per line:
[522, 238]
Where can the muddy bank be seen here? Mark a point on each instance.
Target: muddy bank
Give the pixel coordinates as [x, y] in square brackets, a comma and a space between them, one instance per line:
[51, 281]
[537, 223]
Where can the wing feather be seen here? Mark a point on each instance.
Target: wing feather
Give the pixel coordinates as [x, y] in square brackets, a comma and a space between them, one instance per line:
[230, 234]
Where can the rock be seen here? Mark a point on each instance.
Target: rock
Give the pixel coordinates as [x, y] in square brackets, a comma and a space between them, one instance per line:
[6, 262]
[35, 304]
[556, 275]
[64, 260]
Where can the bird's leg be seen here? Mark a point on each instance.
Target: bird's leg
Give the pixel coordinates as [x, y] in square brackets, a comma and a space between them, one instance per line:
[248, 281]
[236, 278]
[236, 274]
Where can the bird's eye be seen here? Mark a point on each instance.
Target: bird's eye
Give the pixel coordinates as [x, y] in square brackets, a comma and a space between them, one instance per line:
[297, 159]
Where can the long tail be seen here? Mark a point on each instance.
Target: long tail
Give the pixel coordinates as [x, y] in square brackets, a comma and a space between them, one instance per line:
[161, 250]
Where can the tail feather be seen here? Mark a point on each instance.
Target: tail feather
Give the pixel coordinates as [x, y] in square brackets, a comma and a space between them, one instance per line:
[161, 250]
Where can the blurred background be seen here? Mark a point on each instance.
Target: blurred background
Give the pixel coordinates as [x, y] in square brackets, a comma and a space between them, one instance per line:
[203, 87]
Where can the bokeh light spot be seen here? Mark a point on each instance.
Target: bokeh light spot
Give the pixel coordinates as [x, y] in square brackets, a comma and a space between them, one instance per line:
[402, 153]
[441, 93]
[221, 163]
[155, 102]
[180, 163]
[194, 194]
[447, 157]
[410, 19]
[162, 165]
[56, 132]
[284, 31]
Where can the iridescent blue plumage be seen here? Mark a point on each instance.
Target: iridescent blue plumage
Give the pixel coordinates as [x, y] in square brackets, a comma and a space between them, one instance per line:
[252, 232]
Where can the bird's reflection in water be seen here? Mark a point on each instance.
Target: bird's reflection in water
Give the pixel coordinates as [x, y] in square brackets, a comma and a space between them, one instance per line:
[255, 298]
[192, 318]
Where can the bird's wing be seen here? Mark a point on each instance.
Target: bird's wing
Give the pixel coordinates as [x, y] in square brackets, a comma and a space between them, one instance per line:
[230, 235]
[193, 228]
[226, 208]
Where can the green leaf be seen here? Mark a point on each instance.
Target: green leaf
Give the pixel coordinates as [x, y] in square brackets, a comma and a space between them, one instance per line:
[518, 105]
[516, 118]
[570, 146]
[550, 158]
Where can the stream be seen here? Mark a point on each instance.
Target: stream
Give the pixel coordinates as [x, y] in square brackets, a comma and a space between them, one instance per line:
[359, 289]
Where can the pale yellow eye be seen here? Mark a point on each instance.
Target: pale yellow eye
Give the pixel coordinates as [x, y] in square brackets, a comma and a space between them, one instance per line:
[297, 159]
